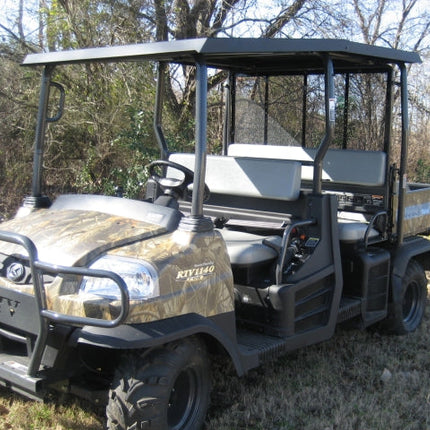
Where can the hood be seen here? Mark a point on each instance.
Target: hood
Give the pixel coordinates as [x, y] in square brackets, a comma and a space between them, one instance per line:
[75, 237]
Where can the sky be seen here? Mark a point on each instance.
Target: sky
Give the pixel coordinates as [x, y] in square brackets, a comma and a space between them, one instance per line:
[9, 12]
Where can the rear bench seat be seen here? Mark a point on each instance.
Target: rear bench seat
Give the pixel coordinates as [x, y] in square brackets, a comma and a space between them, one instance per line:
[350, 167]
[366, 168]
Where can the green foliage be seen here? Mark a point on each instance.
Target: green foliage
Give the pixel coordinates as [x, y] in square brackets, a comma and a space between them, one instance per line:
[123, 167]
[105, 138]
[18, 99]
[180, 138]
[125, 180]
[422, 170]
[139, 131]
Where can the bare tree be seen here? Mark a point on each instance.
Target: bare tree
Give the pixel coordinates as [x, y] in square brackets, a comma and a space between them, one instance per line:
[400, 24]
[286, 16]
[207, 18]
[68, 24]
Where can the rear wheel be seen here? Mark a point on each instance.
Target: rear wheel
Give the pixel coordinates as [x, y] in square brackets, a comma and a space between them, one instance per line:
[168, 388]
[408, 307]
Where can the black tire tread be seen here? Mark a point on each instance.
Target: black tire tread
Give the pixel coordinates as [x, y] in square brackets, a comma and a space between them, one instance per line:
[395, 323]
[142, 384]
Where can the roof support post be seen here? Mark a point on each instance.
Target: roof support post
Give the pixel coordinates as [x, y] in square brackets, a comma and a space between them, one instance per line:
[304, 108]
[158, 130]
[266, 111]
[388, 112]
[39, 141]
[200, 131]
[37, 200]
[345, 112]
[403, 152]
[232, 125]
[330, 112]
[226, 136]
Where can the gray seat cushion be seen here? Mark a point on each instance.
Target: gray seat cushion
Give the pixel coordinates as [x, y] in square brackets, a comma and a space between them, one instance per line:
[350, 231]
[246, 249]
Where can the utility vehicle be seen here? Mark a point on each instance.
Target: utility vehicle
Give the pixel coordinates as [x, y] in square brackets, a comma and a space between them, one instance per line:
[255, 251]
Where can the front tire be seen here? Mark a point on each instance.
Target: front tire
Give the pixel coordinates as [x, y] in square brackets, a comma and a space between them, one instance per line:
[166, 388]
[409, 305]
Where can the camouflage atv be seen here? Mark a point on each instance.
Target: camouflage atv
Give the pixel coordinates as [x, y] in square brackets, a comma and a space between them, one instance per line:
[124, 302]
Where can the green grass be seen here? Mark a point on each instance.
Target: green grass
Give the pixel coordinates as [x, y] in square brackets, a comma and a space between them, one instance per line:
[335, 385]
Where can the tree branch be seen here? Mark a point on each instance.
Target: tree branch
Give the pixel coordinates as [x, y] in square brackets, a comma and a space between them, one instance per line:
[405, 12]
[226, 7]
[161, 30]
[284, 18]
[15, 37]
[363, 25]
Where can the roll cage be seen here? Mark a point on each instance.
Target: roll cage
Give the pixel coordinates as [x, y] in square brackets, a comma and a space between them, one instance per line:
[254, 57]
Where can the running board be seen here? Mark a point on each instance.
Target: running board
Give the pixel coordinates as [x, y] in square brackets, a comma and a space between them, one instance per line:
[348, 309]
[256, 348]
[13, 375]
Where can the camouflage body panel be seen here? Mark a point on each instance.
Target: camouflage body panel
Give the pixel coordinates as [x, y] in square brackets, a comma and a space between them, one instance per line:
[194, 268]
[75, 237]
[417, 210]
[194, 274]
[194, 277]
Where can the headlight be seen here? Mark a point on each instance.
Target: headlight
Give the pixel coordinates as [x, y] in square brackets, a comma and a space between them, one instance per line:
[141, 279]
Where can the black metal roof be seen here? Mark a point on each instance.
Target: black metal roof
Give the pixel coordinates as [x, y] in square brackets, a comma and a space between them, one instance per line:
[244, 55]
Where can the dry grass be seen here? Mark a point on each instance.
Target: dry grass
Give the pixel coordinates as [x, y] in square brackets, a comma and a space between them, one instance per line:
[17, 413]
[358, 380]
[336, 385]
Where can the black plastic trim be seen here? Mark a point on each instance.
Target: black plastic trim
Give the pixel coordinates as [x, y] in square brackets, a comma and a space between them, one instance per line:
[411, 247]
[147, 335]
[196, 224]
[36, 202]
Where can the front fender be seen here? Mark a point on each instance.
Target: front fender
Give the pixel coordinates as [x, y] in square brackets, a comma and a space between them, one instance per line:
[410, 248]
[221, 328]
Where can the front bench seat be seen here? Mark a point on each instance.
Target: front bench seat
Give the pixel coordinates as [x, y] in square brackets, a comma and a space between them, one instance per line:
[247, 249]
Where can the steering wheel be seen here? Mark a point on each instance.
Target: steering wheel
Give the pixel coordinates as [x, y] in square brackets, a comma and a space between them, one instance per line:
[177, 187]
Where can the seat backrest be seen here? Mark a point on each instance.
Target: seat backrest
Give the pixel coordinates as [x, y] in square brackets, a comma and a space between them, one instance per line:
[365, 168]
[245, 176]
